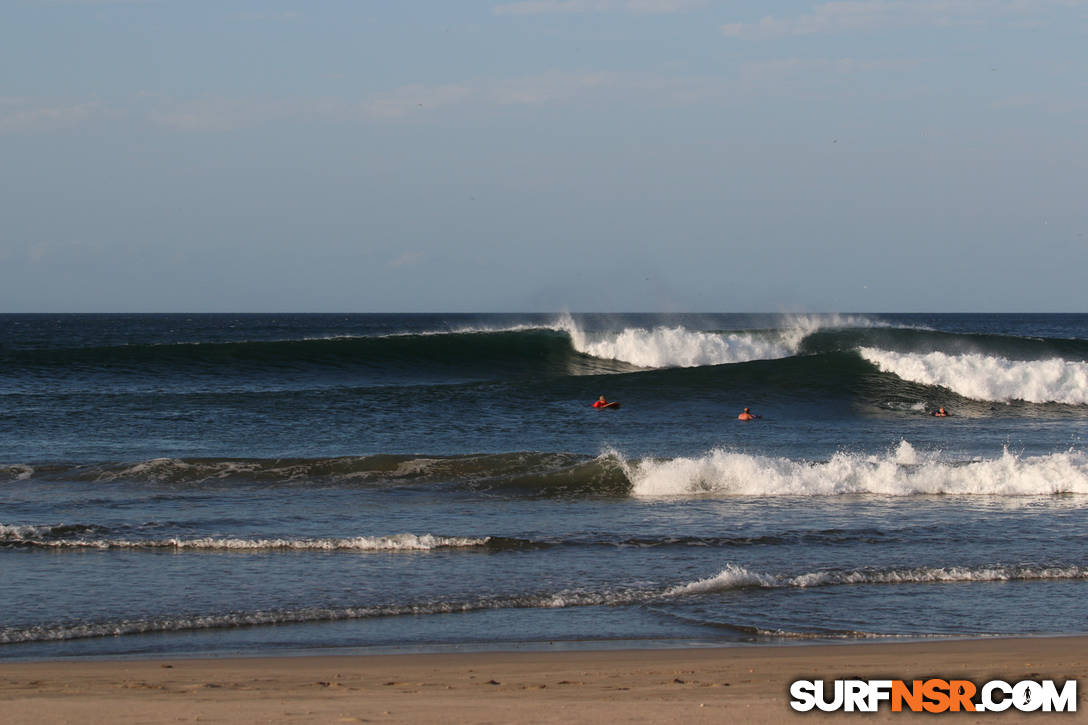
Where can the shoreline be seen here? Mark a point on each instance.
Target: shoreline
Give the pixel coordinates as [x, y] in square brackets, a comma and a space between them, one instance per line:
[693, 684]
[558, 646]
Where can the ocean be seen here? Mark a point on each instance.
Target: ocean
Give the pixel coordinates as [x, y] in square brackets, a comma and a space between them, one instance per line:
[240, 484]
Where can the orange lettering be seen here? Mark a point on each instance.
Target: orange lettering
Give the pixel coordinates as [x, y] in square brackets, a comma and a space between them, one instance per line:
[912, 695]
[936, 691]
[961, 693]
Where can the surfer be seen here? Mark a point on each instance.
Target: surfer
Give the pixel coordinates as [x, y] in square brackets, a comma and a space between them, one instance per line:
[747, 415]
[940, 413]
[602, 403]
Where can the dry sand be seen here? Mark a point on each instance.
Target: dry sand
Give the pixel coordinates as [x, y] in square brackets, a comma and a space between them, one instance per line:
[722, 685]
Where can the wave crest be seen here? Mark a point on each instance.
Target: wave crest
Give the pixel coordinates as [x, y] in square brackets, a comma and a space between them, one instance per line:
[902, 472]
[731, 577]
[53, 537]
[736, 577]
[678, 346]
[985, 377]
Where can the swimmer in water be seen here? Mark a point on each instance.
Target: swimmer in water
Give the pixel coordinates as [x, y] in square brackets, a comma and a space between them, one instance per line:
[602, 403]
[747, 415]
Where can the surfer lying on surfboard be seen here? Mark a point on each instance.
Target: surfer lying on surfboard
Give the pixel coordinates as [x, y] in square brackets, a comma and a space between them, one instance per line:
[602, 403]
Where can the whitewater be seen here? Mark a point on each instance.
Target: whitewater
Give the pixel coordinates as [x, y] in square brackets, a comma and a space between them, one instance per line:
[678, 346]
[242, 484]
[902, 472]
[988, 377]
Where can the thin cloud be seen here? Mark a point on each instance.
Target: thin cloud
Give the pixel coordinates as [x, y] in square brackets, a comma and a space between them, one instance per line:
[868, 15]
[57, 252]
[403, 103]
[549, 7]
[547, 88]
[30, 115]
[417, 103]
[221, 114]
[1041, 103]
[764, 72]
[96, 2]
[414, 99]
[265, 17]
[407, 259]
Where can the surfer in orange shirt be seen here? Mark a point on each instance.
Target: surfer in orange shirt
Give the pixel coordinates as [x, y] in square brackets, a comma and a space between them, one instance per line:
[602, 403]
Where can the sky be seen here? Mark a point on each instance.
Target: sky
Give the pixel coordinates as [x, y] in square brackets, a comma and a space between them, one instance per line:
[543, 155]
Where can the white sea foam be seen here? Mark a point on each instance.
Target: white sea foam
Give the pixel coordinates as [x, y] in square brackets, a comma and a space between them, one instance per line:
[19, 472]
[731, 577]
[663, 347]
[678, 346]
[44, 536]
[47, 633]
[984, 377]
[397, 542]
[736, 577]
[459, 330]
[16, 532]
[901, 472]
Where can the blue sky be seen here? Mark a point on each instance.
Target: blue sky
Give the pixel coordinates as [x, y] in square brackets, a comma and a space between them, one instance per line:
[590, 155]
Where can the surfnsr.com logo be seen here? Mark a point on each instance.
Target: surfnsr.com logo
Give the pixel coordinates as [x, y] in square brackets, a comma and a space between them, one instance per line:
[934, 695]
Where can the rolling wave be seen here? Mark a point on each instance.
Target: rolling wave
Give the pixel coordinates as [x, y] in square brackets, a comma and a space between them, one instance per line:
[791, 356]
[738, 577]
[732, 577]
[76, 537]
[908, 339]
[538, 473]
[49, 538]
[563, 347]
[385, 359]
[678, 346]
[985, 377]
[901, 472]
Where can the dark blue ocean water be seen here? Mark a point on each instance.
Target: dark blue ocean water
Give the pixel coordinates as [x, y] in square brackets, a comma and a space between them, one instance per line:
[262, 483]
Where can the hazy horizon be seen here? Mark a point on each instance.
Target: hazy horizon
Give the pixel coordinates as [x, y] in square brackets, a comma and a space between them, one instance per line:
[610, 155]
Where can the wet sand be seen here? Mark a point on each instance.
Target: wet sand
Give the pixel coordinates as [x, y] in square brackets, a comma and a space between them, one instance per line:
[721, 685]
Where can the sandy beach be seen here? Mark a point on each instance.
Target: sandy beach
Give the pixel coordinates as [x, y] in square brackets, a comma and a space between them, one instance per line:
[733, 684]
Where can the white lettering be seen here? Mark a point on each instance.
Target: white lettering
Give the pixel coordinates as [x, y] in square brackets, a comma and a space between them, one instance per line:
[1064, 701]
[1027, 696]
[803, 693]
[991, 705]
[834, 704]
[856, 696]
[879, 690]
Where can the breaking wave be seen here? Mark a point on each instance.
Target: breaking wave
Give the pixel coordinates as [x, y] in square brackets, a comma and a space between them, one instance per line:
[60, 537]
[737, 577]
[729, 578]
[902, 472]
[990, 378]
[678, 346]
[91, 536]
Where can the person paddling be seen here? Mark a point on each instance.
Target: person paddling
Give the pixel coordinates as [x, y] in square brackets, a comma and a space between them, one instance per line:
[941, 413]
[747, 415]
[602, 403]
